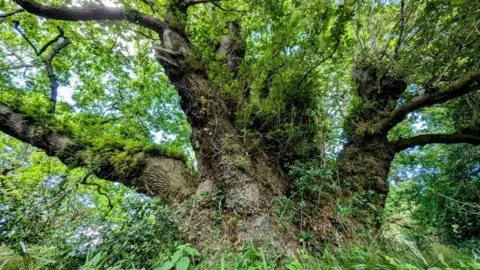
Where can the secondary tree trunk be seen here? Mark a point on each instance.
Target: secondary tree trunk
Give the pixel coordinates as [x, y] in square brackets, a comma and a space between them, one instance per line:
[364, 163]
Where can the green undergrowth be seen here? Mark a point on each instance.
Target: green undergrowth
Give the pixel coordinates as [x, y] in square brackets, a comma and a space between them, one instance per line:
[358, 256]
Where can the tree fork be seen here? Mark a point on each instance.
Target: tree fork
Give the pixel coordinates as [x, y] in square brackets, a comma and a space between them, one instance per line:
[250, 183]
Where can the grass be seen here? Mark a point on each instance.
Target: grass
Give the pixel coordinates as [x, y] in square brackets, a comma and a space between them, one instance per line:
[371, 256]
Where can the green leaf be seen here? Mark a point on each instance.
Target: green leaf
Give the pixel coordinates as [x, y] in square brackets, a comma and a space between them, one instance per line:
[191, 251]
[182, 264]
[176, 256]
[167, 266]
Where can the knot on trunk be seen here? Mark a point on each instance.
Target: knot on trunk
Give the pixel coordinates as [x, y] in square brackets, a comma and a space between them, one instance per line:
[372, 85]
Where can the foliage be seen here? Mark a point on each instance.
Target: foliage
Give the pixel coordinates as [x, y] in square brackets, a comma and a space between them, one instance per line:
[293, 97]
[366, 256]
[441, 192]
[45, 204]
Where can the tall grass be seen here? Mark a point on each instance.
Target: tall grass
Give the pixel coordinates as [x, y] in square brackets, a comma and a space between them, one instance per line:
[370, 256]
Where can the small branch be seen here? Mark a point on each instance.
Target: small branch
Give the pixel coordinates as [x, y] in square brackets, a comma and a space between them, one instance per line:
[98, 188]
[422, 140]
[146, 35]
[196, 2]
[11, 13]
[226, 9]
[402, 27]
[5, 171]
[214, 3]
[464, 85]
[324, 59]
[20, 31]
[51, 73]
[48, 60]
[45, 47]
[19, 66]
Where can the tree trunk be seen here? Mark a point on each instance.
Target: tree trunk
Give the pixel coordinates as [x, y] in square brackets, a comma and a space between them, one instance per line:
[238, 186]
[364, 163]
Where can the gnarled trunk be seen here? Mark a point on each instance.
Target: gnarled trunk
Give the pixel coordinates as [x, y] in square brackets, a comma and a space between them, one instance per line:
[364, 163]
[237, 184]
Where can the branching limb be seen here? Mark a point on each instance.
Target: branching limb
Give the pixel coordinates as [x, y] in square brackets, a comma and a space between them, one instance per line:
[51, 73]
[98, 188]
[51, 42]
[20, 31]
[48, 60]
[464, 85]
[93, 13]
[422, 140]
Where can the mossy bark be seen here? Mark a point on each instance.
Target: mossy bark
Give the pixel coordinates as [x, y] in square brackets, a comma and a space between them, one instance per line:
[149, 173]
[364, 163]
[244, 181]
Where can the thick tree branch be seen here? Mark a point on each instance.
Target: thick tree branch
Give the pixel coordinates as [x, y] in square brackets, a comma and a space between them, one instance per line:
[466, 84]
[94, 13]
[11, 13]
[150, 173]
[421, 140]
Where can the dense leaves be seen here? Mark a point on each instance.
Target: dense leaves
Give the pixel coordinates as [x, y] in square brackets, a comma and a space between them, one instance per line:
[297, 95]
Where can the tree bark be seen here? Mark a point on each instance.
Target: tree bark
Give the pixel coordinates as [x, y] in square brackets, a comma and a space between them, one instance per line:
[149, 173]
[244, 181]
[239, 186]
[364, 163]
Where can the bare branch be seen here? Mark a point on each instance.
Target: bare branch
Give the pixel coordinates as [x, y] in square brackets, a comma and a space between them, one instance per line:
[48, 44]
[422, 140]
[464, 85]
[20, 31]
[51, 73]
[94, 13]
